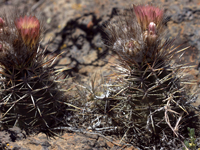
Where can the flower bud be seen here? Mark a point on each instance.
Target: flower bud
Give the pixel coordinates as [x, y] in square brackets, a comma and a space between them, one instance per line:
[29, 29]
[152, 28]
[151, 34]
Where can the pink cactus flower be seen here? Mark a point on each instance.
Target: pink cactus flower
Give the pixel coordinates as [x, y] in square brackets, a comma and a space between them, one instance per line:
[148, 13]
[29, 29]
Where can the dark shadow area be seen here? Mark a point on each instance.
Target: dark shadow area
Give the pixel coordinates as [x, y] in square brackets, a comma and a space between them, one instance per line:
[81, 38]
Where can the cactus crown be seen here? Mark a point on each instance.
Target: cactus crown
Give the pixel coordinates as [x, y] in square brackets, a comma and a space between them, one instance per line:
[138, 35]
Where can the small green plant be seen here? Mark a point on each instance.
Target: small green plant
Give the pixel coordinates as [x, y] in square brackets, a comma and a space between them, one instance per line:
[191, 143]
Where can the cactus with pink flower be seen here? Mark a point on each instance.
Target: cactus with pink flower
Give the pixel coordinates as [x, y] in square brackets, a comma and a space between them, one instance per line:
[145, 98]
[30, 94]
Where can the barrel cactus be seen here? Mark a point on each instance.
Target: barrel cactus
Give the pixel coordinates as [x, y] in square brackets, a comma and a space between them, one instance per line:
[30, 94]
[146, 99]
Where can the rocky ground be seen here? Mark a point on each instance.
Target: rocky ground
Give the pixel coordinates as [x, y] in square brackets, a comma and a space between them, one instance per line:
[75, 29]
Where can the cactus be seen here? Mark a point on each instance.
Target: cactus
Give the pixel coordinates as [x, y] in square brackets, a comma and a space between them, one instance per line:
[147, 100]
[30, 97]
